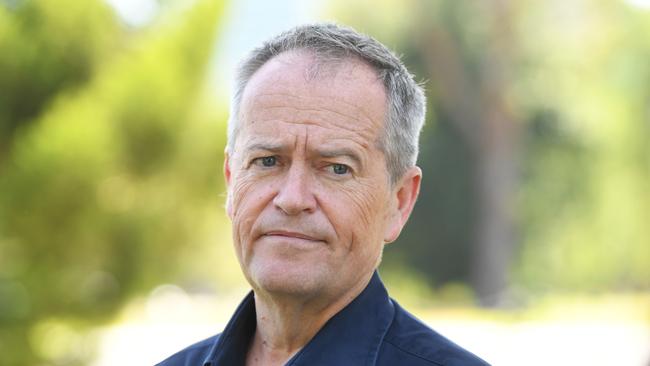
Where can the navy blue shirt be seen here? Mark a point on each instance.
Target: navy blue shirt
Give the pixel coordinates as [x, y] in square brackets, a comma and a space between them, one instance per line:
[372, 330]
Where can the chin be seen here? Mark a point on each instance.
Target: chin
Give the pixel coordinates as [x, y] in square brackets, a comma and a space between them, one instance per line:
[296, 280]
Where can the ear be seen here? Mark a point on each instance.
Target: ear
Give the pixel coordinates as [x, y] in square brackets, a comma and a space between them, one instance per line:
[228, 176]
[226, 168]
[403, 197]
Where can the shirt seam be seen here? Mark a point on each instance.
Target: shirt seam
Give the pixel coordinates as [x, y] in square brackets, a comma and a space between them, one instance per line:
[412, 353]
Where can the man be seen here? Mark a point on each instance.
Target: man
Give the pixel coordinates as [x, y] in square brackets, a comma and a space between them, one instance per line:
[320, 168]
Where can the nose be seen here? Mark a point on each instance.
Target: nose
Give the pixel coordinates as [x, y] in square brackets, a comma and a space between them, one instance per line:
[296, 192]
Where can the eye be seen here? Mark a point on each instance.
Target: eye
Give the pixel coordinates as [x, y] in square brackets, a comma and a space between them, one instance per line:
[266, 161]
[340, 169]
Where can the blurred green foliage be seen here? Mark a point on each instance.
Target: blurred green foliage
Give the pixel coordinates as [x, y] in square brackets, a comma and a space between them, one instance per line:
[46, 50]
[574, 81]
[106, 160]
[111, 155]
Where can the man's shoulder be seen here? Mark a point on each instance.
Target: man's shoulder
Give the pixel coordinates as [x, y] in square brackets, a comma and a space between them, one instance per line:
[192, 355]
[411, 342]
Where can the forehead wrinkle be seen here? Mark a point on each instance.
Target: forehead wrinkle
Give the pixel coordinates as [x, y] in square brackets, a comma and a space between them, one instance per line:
[313, 119]
[293, 96]
[284, 102]
[360, 130]
[306, 145]
[362, 137]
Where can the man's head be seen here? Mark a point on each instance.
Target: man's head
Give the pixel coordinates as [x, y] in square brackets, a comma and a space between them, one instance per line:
[332, 44]
[320, 160]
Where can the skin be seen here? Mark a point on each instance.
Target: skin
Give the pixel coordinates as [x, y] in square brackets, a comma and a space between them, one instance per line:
[309, 196]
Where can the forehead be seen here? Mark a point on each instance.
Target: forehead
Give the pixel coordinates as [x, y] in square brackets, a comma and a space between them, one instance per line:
[296, 90]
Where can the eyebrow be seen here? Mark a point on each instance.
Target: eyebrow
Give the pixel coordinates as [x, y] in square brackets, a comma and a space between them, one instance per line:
[266, 146]
[337, 152]
[323, 152]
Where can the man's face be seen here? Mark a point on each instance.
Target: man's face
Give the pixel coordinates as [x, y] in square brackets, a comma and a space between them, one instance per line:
[309, 194]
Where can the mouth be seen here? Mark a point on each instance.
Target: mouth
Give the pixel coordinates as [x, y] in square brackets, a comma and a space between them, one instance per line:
[291, 234]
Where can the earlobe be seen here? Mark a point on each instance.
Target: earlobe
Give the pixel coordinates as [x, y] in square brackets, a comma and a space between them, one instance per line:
[404, 194]
[393, 229]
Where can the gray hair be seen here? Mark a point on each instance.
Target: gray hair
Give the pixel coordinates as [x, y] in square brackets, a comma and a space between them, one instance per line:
[331, 42]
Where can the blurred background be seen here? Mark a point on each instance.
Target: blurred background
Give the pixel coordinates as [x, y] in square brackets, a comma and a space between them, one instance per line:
[529, 244]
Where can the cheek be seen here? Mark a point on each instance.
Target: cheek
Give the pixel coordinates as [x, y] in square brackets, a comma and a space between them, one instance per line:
[358, 212]
[371, 204]
[247, 200]
[247, 189]
[238, 196]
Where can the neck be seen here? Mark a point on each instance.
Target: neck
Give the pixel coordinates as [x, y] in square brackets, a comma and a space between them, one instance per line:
[285, 324]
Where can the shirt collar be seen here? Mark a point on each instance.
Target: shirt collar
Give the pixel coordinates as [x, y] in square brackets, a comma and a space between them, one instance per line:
[352, 336]
[232, 345]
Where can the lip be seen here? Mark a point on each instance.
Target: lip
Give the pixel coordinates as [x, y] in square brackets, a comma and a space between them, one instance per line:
[291, 234]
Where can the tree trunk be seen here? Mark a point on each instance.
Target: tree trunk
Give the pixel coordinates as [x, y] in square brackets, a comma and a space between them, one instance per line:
[477, 105]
